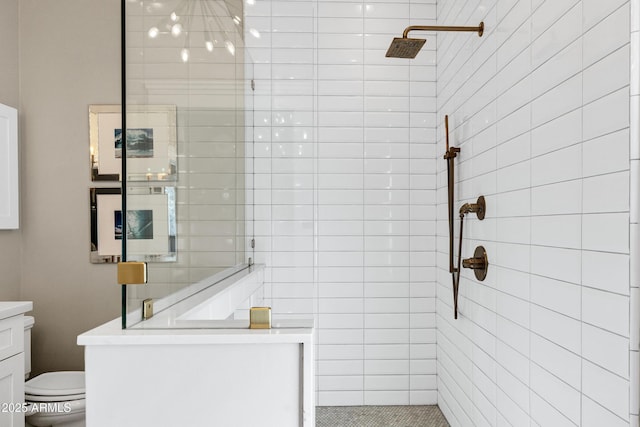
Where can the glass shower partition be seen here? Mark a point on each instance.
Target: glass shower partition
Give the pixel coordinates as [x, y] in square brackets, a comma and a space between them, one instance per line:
[187, 95]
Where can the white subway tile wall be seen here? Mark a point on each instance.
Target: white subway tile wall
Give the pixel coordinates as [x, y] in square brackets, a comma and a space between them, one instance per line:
[351, 212]
[540, 109]
[345, 194]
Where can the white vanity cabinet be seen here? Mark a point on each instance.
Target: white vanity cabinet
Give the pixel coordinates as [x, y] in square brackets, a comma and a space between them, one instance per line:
[12, 367]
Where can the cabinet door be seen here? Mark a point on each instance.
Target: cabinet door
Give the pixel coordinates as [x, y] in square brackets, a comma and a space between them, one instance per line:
[8, 167]
[12, 391]
[11, 336]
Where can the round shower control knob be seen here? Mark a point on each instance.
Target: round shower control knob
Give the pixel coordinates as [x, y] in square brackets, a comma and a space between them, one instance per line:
[479, 263]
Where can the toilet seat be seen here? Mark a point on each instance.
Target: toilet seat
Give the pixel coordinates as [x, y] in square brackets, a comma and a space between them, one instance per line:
[56, 398]
[55, 386]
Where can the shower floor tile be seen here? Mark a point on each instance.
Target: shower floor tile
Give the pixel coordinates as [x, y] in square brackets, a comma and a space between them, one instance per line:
[380, 416]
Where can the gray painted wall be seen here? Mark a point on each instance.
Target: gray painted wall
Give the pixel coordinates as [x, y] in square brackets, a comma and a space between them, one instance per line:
[9, 82]
[63, 56]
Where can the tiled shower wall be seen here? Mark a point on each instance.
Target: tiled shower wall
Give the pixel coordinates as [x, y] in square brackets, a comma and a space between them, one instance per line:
[345, 202]
[345, 198]
[540, 109]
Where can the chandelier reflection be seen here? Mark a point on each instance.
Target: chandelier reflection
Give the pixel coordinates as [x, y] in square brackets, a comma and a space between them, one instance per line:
[205, 21]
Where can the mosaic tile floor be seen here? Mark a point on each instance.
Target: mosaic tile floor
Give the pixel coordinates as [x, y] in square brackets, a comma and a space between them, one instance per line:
[380, 416]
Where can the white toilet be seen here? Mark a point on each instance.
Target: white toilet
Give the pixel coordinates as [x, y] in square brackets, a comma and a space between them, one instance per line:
[56, 398]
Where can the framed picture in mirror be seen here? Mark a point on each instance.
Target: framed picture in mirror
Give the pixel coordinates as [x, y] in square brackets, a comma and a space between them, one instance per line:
[150, 143]
[149, 224]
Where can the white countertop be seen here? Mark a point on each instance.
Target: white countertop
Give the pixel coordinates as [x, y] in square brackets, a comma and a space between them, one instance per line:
[14, 308]
[200, 332]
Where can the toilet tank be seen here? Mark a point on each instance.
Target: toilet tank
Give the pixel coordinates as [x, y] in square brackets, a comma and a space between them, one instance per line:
[28, 324]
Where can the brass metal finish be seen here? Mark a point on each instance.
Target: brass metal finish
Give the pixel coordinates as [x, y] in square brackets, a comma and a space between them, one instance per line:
[479, 208]
[479, 29]
[132, 273]
[405, 47]
[260, 318]
[446, 130]
[147, 308]
[479, 263]
[451, 153]
[449, 156]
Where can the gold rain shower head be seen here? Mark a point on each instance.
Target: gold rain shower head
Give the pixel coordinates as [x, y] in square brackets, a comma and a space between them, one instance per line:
[404, 47]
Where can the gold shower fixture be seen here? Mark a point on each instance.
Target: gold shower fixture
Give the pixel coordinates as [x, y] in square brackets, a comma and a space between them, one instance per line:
[405, 47]
[479, 263]
[479, 208]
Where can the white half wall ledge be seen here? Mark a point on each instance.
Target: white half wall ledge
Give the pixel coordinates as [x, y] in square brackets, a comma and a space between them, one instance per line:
[9, 186]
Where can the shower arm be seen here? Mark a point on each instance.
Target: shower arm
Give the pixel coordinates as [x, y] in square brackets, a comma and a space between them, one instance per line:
[479, 29]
